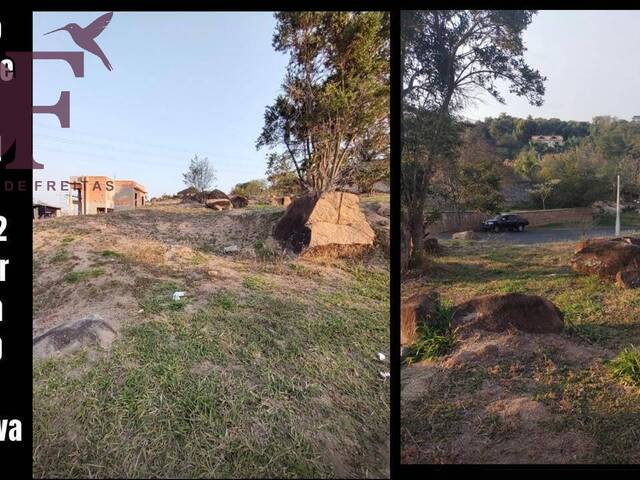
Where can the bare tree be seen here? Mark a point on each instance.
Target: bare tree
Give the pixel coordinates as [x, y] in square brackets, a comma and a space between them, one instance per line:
[201, 175]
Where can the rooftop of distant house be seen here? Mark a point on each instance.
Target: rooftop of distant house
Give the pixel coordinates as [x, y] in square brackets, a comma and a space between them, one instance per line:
[547, 138]
[38, 203]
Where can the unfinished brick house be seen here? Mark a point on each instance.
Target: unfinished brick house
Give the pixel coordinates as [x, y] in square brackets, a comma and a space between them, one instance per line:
[93, 194]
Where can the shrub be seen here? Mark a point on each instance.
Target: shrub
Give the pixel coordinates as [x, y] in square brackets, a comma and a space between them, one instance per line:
[436, 338]
[626, 366]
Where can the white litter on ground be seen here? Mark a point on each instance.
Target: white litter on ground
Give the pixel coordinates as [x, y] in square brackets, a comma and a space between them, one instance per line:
[178, 295]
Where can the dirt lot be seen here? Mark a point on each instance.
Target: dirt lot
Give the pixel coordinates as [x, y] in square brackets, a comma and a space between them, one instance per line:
[266, 368]
[524, 398]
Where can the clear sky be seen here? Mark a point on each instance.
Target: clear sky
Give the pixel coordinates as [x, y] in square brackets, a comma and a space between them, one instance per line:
[182, 84]
[592, 63]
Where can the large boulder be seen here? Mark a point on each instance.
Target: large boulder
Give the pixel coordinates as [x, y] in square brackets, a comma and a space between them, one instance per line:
[219, 204]
[381, 187]
[501, 312]
[188, 192]
[91, 331]
[414, 311]
[629, 278]
[239, 201]
[216, 195]
[384, 209]
[606, 257]
[327, 224]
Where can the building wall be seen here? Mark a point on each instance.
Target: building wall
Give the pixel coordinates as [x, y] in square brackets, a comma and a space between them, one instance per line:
[128, 194]
[95, 193]
[101, 194]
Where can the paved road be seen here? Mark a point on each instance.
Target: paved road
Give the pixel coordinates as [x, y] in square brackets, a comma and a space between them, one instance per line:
[534, 236]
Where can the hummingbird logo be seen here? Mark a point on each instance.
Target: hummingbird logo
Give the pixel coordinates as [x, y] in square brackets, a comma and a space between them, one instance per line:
[85, 37]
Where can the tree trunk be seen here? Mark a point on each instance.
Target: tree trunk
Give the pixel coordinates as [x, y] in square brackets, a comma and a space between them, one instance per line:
[406, 246]
[416, 231]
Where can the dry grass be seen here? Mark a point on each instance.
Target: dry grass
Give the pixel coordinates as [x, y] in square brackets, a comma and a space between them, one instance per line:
[267, 368]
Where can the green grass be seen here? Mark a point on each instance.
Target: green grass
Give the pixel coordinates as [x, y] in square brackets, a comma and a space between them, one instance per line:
[111, 254]
[76, 276]
[626, 366]
[436, 337]
[263, 251]
[250, 384]
[159, 298]
[255, 282]
[61, 256]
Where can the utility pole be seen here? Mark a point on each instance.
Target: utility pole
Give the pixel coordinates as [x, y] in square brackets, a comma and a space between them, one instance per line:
[618, 209]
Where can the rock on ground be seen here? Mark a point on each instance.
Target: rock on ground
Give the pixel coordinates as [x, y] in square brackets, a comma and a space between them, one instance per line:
[607, 258]
[239, 201]
[501, 312]
[629, 278]
[414, 311]
[219, 204]
[466, 235]
[328, 224]
[66, 338]
[217, 195]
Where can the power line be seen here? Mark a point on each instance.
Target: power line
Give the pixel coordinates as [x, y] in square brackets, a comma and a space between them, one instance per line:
[137, 143]
[136, 161]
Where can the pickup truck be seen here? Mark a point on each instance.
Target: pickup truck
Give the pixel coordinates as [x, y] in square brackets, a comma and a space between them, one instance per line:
[511, 222]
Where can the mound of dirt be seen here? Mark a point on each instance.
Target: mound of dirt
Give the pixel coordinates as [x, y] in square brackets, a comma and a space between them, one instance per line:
[500, 419]
[88, 332]
[329, 224]
[415, 310]
[608, 257]
[502, 312]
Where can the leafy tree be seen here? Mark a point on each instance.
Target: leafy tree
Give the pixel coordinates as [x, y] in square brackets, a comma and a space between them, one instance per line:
[581, 173]
[369, 173]
[448, 57]
[251, 189]
[544, 190]
[473, 177]
[527, 163]
[281, 175]
[201, 175]
[336, 90]
[370, 160]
